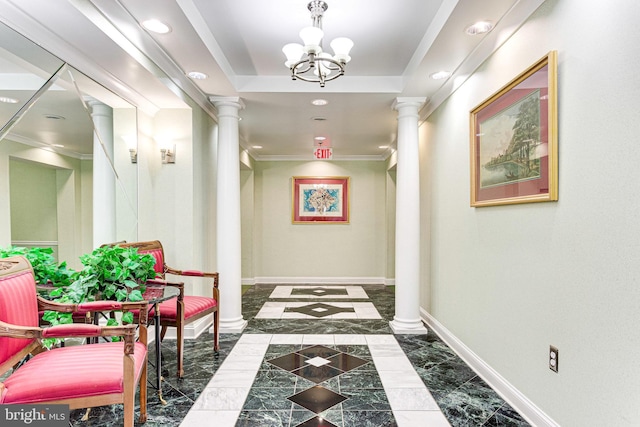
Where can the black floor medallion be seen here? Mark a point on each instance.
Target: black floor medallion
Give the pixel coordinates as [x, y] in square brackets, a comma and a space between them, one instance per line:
[317, 399]
[319, 309]
[318, 364]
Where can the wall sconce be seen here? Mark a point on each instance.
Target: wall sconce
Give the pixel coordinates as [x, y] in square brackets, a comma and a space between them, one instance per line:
[168, 155]
[131, 142]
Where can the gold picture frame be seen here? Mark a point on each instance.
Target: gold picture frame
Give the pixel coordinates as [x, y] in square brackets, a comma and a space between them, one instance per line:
[514, 140]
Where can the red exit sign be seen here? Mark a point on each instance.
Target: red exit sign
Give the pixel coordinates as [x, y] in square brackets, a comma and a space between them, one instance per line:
[323, 153]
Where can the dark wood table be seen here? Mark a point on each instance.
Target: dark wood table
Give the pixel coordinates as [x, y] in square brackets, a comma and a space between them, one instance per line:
[155, 294]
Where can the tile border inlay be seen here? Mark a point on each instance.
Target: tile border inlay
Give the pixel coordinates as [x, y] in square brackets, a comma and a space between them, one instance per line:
[318, 310]
[224, 397]
[287, 291]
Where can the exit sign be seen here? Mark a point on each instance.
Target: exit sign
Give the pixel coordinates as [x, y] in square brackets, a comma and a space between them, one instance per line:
[323, 153]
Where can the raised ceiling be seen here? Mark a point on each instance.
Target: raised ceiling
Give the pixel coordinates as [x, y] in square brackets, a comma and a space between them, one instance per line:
[237, 43]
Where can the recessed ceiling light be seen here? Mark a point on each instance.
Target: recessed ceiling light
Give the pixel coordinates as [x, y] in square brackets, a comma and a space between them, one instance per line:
[440, 75]
[320, 138]
[319, 102]
[383, 146]
[156, 26]
[257, 147]
[480, 27]
[8, 100]
[197, 75]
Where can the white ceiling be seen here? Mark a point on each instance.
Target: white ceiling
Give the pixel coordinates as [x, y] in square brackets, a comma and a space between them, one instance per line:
[398, 44]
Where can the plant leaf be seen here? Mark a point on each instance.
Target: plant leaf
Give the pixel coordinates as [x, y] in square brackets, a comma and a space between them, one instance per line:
[135, 296]
[127, 318]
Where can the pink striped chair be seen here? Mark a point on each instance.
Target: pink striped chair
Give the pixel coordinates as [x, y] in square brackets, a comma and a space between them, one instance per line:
[186, 308]
[80, 376]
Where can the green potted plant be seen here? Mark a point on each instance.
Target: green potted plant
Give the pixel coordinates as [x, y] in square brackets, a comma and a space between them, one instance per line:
[109, 273]
[45, 268]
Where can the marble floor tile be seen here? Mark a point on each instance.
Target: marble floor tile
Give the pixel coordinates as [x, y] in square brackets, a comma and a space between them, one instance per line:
[318, 339]
[254, 339]
[350, 339]
[411, 399]
[201, 418]
[392, 363]
[421, 418]
[286, 339]
[221, 399]
[401, 379]
[381, 339]
[386, 350]
[241, 362]
[406, 380]
[228, 378]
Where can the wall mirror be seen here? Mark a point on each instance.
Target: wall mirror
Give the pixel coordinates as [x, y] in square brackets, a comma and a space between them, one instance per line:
[60, 134]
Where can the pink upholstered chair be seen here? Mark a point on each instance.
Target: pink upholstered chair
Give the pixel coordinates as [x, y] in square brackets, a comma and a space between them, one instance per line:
[80, 376]
[187, 308]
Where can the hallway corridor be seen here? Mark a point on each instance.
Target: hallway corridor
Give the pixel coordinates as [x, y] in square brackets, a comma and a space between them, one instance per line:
[319, 356]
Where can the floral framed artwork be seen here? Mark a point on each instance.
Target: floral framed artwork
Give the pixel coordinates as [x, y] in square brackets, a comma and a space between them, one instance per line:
[514, 150]
[320, 199]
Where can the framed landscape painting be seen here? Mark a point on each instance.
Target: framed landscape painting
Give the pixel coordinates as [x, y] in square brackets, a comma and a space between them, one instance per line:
[320, 199]
[514, 153]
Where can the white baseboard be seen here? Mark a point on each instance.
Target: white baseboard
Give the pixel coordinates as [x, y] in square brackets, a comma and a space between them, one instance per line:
[321, 280]
[529, 411]
[390, 282]
[191, 331]
[248, 281]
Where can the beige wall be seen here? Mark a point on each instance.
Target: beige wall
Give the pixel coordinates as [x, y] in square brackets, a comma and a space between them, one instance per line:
[283, 251]
[247, 191]
[33, 202]
[509, 281]
[177, 201]
[71, 187]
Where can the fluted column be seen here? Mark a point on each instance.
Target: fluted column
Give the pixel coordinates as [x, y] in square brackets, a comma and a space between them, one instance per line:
[104, 178]
[228, 239]
[407, 316]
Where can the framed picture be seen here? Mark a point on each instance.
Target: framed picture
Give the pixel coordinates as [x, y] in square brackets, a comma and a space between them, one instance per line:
[320, 200]
[514, 150]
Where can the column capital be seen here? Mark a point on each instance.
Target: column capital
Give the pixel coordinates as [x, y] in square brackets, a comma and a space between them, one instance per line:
[227, 101]
[97, 107]
[405, 101]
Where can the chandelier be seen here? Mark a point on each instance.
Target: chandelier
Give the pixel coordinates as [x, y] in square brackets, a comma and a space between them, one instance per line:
[309, 63]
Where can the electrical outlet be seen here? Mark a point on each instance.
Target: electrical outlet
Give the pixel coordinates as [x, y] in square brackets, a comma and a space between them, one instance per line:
[553, 358]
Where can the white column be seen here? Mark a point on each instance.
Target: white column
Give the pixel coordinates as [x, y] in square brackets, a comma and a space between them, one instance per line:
[104, 177]
[407, 316]
[228, 241]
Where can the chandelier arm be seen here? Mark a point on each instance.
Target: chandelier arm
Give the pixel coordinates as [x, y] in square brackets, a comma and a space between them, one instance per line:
[337, 65]
[296, 68]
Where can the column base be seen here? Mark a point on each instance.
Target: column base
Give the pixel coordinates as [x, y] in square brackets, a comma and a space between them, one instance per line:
[232, 326]
[401, 326]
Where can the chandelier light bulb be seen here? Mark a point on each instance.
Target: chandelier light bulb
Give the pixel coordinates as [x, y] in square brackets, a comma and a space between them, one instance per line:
[312, 37]
[293, 52]
[341, 47]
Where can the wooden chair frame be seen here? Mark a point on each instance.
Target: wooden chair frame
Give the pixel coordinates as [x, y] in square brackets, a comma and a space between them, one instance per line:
[15, 265]
[153, 246]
